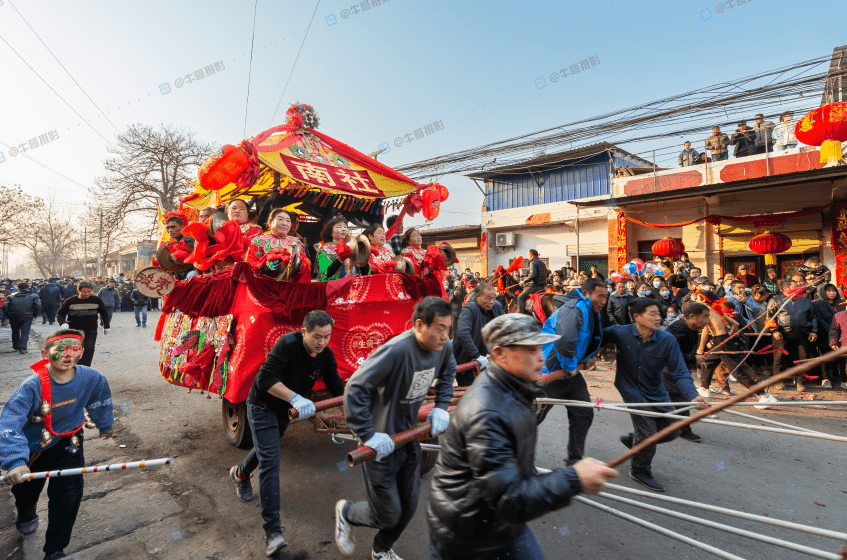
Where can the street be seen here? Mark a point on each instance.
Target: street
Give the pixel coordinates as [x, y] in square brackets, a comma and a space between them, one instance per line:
[190, 511]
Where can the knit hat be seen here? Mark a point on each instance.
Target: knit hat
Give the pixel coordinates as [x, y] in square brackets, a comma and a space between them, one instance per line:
[515, 329]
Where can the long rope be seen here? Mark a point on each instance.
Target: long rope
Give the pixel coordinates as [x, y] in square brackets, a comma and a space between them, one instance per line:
[295, 63]
[250, 72]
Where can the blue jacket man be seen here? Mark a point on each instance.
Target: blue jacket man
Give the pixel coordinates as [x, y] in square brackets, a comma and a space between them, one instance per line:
[578, 323]
[51, 299]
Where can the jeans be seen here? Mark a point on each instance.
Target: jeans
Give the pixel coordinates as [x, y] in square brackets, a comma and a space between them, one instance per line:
[579, 418]
[20, 333]
[525, 296]
[393, 487]
[645, 427]
[720, 157]
[784, 148]
[64, 494]
[143, 310]
[267, 427]
[109, 311]
[525, 547]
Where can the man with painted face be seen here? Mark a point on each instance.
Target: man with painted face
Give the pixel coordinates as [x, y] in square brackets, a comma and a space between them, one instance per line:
[383, 398]
[80, 312]
[296, 362]
[32, 441]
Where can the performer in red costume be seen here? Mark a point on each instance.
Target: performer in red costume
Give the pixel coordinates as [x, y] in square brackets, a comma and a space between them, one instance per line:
[271, 252]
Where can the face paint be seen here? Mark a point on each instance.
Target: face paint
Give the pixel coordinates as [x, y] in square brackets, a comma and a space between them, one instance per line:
[67, 350]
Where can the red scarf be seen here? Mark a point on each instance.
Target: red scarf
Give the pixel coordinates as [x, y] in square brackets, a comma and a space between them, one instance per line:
[40, 367]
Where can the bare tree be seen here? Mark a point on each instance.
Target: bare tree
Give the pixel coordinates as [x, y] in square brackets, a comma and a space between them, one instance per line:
[101, 224]
[149, 165]
[17, 211]
[50, 238]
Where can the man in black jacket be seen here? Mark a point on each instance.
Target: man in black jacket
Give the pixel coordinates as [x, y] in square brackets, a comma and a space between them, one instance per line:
[796, 326]
[457, 298]
[140, 304]
[296, 362]
[486, 489]
[80, 312]
[51, 299]
[616, 309]
[21, 308]
[474, 316]
[535, 282]
[686, 331]
[744, 141]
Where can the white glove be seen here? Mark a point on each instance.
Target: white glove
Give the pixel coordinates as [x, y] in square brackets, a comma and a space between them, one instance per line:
[63, 326]
[382, 444]
[305, 407]
[483, 362]
[105, 330]
[440, 418]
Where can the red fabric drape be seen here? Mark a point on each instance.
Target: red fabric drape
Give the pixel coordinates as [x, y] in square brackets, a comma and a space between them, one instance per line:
[715, 219]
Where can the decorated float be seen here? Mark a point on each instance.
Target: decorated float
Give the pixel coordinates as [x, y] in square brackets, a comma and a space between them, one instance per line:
[219, 323]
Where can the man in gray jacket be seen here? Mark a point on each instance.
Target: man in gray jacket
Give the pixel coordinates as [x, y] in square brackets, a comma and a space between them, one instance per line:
[383, 398]
[110, 297]
[476, 314]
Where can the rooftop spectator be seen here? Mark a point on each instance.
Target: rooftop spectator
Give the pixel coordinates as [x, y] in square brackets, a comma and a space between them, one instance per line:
[783, 133]
[717, 144]
[689, 156]
[764, 131]
[744, 140]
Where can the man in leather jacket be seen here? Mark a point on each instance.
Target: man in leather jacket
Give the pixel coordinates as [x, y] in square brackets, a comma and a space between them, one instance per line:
[534, 283]
[486, 488]
[796, 326]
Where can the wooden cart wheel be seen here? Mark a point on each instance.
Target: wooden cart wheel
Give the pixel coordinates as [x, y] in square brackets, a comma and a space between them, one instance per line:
[236, 425]
[429, 458]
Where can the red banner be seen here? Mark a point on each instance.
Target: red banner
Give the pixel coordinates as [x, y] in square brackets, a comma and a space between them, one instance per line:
[838, 225]
[622, 260]
[338, 178]
[483, 253]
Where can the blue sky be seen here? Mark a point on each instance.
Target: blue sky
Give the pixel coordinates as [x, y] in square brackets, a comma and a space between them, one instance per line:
[373, 76]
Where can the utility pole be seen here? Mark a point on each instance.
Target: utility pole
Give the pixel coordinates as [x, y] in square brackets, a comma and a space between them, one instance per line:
[100, 246]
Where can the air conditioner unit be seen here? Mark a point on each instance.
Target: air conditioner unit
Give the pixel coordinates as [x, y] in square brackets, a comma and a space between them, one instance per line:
[505, 240]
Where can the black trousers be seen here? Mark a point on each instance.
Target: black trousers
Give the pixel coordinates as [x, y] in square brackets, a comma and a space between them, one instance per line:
[579, 418]
[88, 344]
[676, 396]
[393, 486]
[745, 374]
[529, 290]
[646, 426]
[797, 347]
[64, 494]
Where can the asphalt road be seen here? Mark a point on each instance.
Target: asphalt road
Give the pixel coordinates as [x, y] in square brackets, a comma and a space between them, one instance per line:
[190, 510]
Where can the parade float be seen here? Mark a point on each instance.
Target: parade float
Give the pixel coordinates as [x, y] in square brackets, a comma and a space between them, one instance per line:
[219, 324]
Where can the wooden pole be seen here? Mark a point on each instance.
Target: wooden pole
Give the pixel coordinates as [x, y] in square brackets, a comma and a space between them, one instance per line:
[787, 374]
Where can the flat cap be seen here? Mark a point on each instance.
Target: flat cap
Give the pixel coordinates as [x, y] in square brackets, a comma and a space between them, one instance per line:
[515, 329]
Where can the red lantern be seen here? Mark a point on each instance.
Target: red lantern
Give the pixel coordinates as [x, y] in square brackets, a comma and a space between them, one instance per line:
[825, 127]
[222, 167]
[433, 196]
[769, 244]
[668, 248]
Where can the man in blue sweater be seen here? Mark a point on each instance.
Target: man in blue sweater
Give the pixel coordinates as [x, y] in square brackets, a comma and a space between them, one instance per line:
[577, 322]
[41, 429]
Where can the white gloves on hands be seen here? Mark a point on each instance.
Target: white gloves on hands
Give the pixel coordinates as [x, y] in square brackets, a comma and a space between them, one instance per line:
[305, 407]
[64, 326]
[483, 362]
[440, 418]
[382, 444]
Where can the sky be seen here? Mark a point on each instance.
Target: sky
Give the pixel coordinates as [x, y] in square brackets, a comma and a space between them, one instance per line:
[372, 75]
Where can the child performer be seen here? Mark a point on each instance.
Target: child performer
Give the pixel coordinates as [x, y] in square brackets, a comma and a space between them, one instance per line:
[41, 429]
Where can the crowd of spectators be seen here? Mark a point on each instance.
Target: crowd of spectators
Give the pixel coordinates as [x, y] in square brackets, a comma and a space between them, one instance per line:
[764, 136]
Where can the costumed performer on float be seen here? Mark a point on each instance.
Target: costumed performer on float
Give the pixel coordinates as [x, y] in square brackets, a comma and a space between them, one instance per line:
[38, 435]
[273, 251]
[228, 244]
[412, 247]
[333, 251]
[382, 257]
[236, 211]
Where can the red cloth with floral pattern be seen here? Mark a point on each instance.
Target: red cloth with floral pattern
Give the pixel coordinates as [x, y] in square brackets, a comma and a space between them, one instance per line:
[416, 254]
[382, 260]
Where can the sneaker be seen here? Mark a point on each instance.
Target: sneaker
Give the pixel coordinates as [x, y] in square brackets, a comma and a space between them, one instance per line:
[28, 527]
[390, 555]
[243, 488]
[826, 384]
[44, 322]
[344, 538]
[781, 386]
[273, 543]
[626, 439]
[24, 351]
[647, 480]
[703, 392]
[144, 325]
[765, 398]
[844, 385]
[138, 325]
[691, 436]
[732, 378]
[800, 385]
[58, 555]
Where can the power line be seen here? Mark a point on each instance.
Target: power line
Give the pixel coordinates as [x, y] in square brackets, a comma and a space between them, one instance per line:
[62, 65]
[250, 72]
[295, 63]
[54, 91]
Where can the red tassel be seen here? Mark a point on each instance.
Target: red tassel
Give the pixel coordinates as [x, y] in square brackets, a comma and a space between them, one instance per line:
[516, 264]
